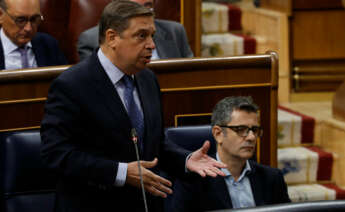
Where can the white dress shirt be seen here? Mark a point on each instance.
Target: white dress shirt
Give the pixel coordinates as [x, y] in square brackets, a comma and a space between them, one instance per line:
[12, 55]
[115, 75]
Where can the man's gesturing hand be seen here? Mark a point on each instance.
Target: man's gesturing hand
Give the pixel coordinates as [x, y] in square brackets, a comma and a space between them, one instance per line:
[203, 164]
[153, 183]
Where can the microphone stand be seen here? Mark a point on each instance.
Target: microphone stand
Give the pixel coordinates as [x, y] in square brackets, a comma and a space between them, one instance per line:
[135, 141]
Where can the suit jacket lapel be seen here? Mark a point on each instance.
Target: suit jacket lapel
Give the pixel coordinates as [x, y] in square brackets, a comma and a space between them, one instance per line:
[220, 192]
[107, 91]
[2, 57]
[39, 55]
[256, 185]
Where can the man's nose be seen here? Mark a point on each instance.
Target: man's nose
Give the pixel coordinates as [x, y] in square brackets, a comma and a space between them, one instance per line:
[150, 44]
[28, 26]
[251, 136]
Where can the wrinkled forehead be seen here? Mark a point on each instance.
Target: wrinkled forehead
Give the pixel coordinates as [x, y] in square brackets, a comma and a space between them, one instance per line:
[243, 117]
[142, 22]
[23, 7]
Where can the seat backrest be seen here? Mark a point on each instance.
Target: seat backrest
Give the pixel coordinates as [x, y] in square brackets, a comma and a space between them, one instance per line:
[25, 184]
[84, 14]
[56, 17]
[191, 137]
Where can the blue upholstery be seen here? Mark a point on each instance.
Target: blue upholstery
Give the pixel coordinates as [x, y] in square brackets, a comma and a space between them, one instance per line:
[25, 184]
[191, 137]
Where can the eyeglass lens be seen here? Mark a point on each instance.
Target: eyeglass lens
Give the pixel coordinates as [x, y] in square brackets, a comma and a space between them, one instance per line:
[243, 131]
[34, 20]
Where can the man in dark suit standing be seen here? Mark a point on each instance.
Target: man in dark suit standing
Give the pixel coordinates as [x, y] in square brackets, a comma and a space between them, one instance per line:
[170, 39]
[89, 115]
[21, 46]
[235, 127]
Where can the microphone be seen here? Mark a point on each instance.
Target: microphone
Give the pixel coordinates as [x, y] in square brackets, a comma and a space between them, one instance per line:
[134, 137]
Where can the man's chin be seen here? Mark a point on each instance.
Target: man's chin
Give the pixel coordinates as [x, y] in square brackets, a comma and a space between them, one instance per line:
[22, 42]
[247, 155]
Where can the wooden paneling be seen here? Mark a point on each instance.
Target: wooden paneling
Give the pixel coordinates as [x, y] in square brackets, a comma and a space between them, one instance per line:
[288, 6]
[271, 31]
[168, 9]
[317, 31]
[278, 5]
[318, 34]
[188, 13]
[191, 19]
[317, 4]
[189, 86]
[318, 75]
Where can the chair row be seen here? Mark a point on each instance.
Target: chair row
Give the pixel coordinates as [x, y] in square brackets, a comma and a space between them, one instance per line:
[27, 186]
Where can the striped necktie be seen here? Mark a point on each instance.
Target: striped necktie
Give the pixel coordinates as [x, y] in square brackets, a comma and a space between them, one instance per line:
[133, 110]
[24, 56]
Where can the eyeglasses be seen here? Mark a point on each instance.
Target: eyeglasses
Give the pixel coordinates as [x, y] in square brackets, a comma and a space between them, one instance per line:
[243, 130]
[21, 21]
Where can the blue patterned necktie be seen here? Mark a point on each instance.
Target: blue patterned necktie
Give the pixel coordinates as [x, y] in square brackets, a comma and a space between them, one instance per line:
[133, 111]
[24, 56]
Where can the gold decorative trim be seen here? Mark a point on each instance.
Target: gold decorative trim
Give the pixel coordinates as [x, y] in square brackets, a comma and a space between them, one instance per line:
[308, 168]
[21, 101]
[312, 182]
[215, 87]
[182, 12]
[258, 149]
[20, 129]
[189, 115]
[292, 133]
[284, 146]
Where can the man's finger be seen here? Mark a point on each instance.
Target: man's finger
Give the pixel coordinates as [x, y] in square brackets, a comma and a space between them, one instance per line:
[162, 180]
[162, 187]
[210, 173]
[219, 164]
[201, 173]
[218, 172]
[154, 191]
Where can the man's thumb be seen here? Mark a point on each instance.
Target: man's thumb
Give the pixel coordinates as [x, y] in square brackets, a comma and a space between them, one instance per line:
[205, 147]
[149, 164]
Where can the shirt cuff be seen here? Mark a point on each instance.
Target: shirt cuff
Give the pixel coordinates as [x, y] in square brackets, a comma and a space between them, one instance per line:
[185, 164]
[121, 175]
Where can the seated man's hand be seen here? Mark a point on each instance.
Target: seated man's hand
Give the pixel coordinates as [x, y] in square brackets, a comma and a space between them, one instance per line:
[153, 183]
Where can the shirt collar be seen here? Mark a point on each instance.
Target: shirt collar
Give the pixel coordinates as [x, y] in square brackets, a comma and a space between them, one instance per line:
[8, 45]
[114, 73]
[227, 173]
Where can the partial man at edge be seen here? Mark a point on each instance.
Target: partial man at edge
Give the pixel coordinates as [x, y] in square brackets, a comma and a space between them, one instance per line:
[21, 46]
[235, 128]
[170, 39]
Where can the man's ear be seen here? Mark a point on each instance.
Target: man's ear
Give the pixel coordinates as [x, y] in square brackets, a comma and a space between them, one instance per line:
[111, 37]
[218, 134]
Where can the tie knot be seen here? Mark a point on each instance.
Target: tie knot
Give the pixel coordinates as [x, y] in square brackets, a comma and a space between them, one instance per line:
[23, 49]
[128, 81]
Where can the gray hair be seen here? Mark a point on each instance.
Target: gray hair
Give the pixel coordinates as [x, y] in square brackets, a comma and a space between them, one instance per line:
[117, 14]
[3, 4]
[221, 114]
